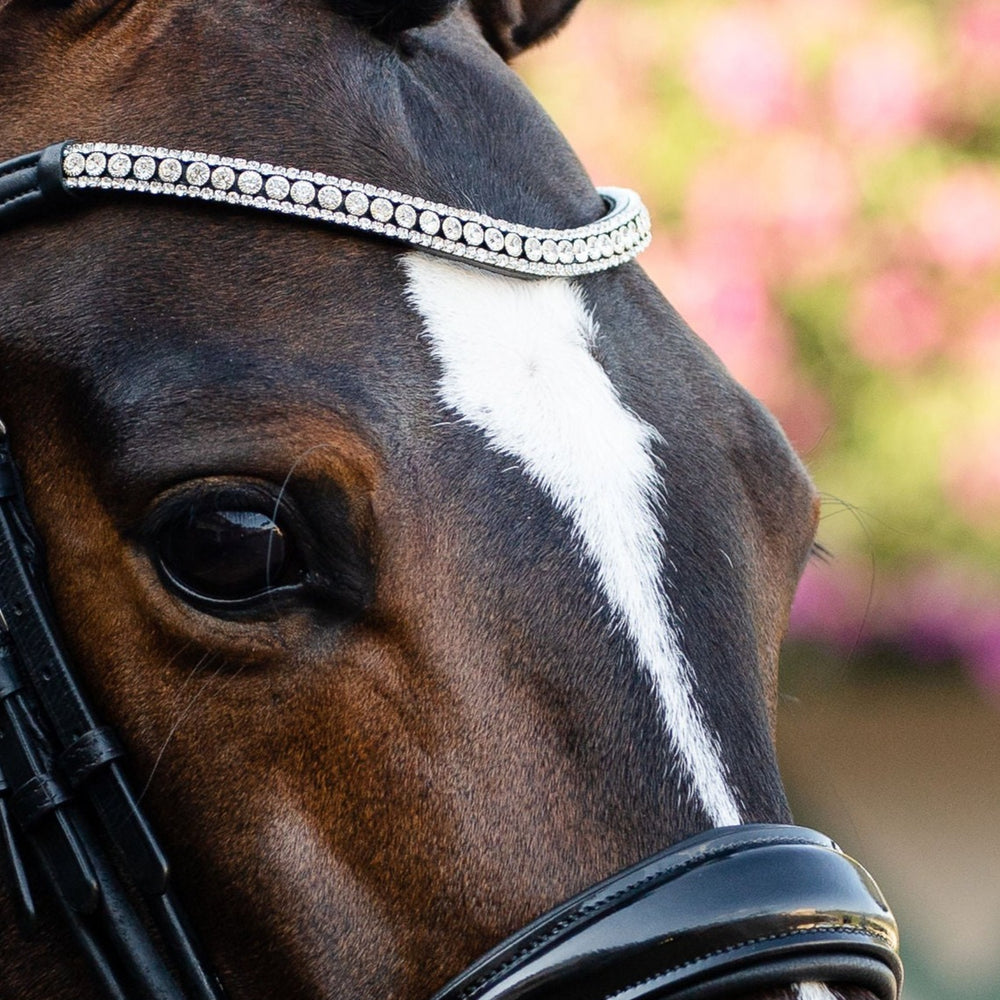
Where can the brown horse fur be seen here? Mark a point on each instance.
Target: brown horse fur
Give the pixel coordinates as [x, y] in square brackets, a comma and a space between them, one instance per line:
[363, 791]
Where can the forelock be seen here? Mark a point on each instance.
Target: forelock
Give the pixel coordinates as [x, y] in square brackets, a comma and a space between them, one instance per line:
[390, 17]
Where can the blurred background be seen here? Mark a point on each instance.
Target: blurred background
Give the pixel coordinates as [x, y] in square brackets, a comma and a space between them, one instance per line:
[824, 180]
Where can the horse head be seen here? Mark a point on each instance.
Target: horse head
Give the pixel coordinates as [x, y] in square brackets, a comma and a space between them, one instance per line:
[422, 596]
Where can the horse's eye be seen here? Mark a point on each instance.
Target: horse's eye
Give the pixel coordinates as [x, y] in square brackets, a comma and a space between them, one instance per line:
[245, 551]
[226, 556]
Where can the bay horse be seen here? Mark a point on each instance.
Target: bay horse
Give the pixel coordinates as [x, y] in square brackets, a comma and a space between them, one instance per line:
[429, 569]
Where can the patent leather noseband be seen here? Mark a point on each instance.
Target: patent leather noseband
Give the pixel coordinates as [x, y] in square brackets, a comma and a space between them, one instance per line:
[726, 913]
[723, 914]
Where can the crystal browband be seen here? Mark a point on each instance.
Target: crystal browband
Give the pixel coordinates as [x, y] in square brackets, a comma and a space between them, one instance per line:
[615, 239]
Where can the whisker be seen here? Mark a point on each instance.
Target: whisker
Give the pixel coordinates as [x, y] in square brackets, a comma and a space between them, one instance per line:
[823, 554]
[184, 713]
[820, 553]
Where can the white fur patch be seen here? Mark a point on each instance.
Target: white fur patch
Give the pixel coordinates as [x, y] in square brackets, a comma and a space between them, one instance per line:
[814, 991]
[516, 363]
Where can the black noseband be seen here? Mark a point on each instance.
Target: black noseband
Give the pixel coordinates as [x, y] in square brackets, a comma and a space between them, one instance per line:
[724, 914]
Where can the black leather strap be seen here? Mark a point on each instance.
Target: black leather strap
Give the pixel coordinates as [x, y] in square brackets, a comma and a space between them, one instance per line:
[726, 913]
[26, 760]
[31, 183]
[41, 655]
[89, 753]
[12, 866]
[59, 768]
[40, 795]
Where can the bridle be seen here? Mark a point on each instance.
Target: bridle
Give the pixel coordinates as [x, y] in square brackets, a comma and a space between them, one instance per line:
[51, 176]
[65, 797]
[731, 911]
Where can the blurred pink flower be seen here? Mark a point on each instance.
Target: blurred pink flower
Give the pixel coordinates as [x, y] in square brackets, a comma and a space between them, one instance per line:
[943, 612]
[960, 219]
[812, 21]
[896, 321]
[881, 90]
[808, 188]
[976, 31]
[924, 613]
[982, 655]
[980, 349]
[728, 305]
[831, 604]
[786, 203]
[742, 70]
[722, 212]
[971, 475]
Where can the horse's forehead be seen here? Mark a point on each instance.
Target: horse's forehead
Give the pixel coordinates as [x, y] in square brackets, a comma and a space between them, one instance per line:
[187, 312]
[442, 117]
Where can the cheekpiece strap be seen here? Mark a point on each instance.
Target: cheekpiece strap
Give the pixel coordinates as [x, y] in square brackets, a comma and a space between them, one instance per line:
[68, 814]
[93, 750]
[495, 244]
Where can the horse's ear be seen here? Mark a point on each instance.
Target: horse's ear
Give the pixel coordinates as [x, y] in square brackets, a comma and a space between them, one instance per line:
[511, 26]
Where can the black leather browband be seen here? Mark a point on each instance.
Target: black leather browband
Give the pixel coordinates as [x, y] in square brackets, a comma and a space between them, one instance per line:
[728, 912]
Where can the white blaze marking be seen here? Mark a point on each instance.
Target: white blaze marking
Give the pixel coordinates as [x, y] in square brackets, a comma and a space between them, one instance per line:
[814, 991]
[516, 363]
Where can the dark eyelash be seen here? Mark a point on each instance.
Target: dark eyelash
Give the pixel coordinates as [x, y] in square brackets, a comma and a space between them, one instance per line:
[820, 553]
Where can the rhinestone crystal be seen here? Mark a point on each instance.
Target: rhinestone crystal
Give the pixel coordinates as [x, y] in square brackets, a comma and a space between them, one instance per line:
[303, 192]
[473, 233]
[95, 164]
[381, 210]
[406, 216]
[329, 197]
[430, 223]
[119, 165]
[494, 239]
[170, 170]
[513, 244]
[223, 178]
[197, 173]
[249, 182]
[74, 164]
[277, 187]
[451, 228]
[356, 202]
[144, 168]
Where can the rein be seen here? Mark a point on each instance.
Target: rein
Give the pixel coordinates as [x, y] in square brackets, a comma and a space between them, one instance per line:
[730, 911]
